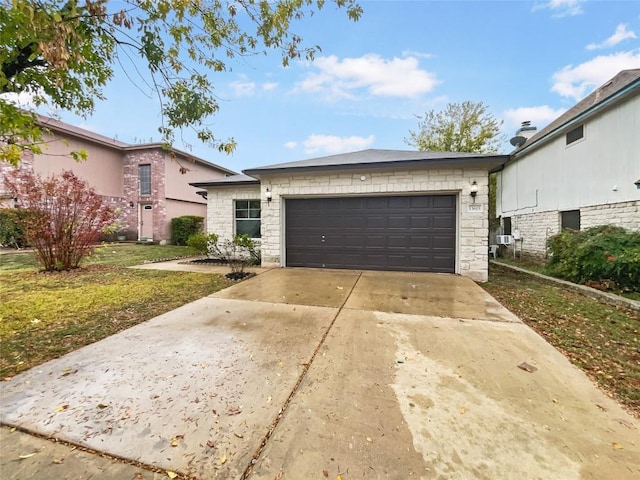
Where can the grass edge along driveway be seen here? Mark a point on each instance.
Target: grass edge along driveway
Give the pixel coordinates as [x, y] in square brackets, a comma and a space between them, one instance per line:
[46, 315]
[600, 339]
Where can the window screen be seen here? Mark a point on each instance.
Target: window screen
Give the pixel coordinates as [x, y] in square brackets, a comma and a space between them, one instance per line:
[248, 217]
[575, 134]
[144, 177]
[570, 219]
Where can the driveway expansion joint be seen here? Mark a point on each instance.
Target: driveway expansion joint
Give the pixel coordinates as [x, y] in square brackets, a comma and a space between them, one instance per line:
[305, 369]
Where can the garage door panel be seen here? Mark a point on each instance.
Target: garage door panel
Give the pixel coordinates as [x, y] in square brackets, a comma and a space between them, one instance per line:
[443, 201]
[411, 233]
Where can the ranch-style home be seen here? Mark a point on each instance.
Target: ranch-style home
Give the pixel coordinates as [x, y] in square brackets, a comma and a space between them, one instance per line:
[372, 209]
[149, 184]
[580, 171]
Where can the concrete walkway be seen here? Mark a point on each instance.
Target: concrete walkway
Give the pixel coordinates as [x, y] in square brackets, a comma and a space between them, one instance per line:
[298, 373]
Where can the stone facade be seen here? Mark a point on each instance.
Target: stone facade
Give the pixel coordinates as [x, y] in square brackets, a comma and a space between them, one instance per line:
[536, 228]
[221, 210]
[473, 223]
[623, 214]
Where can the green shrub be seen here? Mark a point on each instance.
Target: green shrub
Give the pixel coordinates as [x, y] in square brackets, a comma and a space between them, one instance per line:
[183, 227]
[601, 254]
[201, 243]
[11, 230]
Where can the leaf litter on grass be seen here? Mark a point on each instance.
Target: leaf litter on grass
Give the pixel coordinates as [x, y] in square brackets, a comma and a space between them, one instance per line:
[599, 338]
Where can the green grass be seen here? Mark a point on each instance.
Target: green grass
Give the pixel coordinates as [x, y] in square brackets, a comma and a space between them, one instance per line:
[601, 339]
[45, 315]
[124, 255]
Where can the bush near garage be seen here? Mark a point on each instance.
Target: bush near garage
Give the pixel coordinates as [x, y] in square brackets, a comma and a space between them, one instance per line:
[183, 227]
[11, 230]
[607, 256]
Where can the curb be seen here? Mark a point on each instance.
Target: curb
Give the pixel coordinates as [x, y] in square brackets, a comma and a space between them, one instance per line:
[607, 297]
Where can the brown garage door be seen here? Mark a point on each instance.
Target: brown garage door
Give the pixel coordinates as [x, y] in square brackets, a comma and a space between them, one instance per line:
[411, 233]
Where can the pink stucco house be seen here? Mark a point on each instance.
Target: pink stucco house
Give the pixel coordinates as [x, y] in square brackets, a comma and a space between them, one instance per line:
[148, 184]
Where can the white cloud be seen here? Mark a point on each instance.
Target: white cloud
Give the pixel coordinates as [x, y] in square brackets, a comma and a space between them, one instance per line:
[561, 8]
[291, 145]
[332, 144]
[538, 116]
[268, 86]
[243, 89]
[413, 53]
[618, 36]
[372, 74]
[24, 100]
[576, 82]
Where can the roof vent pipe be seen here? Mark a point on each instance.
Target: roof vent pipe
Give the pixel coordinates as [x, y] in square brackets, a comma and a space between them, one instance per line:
[525, 132]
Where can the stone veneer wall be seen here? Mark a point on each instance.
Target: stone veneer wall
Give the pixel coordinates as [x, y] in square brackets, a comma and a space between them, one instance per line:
[131, 187]
[536, 228]
[221, 210]
[623, 214]
[473, 227]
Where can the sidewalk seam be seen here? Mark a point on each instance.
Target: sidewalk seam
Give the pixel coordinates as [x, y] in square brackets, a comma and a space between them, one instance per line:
[305, 369]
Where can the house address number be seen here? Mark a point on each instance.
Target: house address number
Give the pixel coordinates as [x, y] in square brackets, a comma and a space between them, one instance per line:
[475, 208]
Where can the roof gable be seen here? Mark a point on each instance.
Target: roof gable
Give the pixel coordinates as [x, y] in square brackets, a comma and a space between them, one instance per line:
[626, 80]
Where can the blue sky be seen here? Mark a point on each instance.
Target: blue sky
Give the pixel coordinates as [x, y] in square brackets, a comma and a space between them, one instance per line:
[525, 60]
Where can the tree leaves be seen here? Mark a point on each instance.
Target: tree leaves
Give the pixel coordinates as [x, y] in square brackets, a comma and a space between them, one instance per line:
[63, 54]
[460, 127]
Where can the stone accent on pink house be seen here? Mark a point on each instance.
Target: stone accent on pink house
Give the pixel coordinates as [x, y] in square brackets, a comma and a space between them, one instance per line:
[112, 169]
[132, 161]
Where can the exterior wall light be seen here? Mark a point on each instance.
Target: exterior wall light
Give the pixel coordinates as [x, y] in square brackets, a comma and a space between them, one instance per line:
[267, 195]
[637, 184]
[474, 191]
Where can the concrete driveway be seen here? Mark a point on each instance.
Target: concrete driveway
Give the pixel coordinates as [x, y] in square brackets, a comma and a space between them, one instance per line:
[301, 373]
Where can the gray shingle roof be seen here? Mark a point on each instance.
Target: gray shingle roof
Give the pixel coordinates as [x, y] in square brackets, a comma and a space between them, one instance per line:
[622, 80]
[380, 159]
[227, 181]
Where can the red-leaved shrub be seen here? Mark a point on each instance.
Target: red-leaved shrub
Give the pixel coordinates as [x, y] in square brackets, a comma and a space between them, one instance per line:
[67, 217]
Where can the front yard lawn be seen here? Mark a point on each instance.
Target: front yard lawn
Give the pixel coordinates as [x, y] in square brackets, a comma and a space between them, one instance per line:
[45, 315]
[601, 339]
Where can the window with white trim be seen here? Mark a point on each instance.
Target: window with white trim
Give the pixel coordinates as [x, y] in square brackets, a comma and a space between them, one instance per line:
[247, 216]
[144, 179]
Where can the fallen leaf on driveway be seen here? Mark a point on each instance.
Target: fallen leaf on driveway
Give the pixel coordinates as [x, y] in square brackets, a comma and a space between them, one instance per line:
[617, 446]
[234, 411]
[462, 410]
[340, 288]
[174, 440]
[27, 455]
[61, 408]
[102, 405]
[171, 474]
[527, 368]
[223, 459]
[325, 473]
[58, 461]
[137, 476]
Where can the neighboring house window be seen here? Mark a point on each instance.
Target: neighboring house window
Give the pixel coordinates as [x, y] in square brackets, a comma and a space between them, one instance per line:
[575, 134]
[248, 218]
[570, 219]
[506, 226]
[144, 177]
